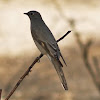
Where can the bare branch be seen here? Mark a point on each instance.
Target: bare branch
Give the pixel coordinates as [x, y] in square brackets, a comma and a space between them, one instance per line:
[63, 36]
[29, 70]
[23, 76]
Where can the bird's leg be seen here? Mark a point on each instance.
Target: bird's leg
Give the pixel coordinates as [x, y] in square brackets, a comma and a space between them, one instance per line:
[38, 58]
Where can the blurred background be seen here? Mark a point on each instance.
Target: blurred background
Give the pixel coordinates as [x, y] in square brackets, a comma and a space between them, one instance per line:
[81, 49]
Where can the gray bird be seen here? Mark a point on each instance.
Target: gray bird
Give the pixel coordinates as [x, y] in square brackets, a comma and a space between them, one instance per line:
[46, 43]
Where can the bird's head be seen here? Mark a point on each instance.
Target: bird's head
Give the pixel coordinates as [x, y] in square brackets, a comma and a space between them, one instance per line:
[33, 14]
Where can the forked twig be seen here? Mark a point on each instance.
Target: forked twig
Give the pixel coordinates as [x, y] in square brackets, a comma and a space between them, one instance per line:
[29, 69]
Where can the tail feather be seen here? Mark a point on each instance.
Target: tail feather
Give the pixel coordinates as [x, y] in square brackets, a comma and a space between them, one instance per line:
[63, 59]
[60, 73]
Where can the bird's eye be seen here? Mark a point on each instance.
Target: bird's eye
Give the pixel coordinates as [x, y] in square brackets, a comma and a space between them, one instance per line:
[32, 13]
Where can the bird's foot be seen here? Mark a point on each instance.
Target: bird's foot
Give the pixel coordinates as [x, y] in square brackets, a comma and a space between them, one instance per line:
[38, 59]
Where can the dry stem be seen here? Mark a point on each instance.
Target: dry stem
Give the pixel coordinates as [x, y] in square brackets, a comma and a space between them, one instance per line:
[29, 69]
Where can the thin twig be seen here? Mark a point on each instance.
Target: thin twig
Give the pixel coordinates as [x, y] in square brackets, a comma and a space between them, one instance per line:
[63, 36]
[23, 76]
[29, 70]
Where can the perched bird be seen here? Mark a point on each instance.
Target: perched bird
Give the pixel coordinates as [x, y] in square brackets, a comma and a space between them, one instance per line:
[46, 43]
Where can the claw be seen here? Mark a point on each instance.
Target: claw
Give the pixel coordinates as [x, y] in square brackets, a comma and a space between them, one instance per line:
[38, 59]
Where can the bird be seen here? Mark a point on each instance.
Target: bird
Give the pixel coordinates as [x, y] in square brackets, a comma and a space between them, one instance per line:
[46, 43]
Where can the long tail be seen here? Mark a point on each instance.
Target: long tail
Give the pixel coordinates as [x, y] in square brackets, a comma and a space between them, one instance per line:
[58, 66]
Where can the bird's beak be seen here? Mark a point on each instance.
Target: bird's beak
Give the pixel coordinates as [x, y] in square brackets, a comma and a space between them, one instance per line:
[26, 13]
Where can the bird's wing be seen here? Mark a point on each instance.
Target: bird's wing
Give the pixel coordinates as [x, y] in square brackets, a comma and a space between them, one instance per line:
[50, 48]
[48, 42]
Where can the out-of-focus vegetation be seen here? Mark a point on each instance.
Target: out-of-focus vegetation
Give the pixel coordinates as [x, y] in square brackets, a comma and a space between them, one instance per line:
[82, 54]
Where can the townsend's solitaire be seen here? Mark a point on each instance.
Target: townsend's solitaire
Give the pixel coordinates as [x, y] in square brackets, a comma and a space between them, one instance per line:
[46, 43]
